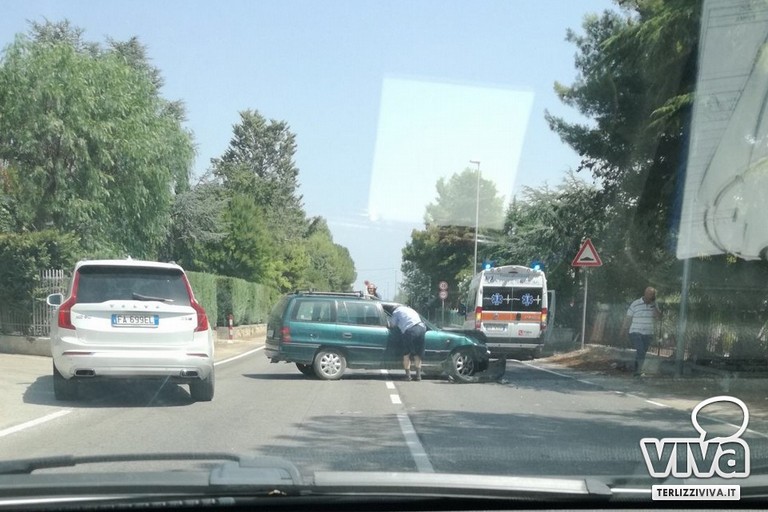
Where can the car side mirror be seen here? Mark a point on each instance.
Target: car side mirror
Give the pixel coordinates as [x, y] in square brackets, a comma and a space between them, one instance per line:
[54, 299]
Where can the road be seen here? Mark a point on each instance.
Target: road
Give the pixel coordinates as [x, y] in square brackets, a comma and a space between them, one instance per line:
[533, 422]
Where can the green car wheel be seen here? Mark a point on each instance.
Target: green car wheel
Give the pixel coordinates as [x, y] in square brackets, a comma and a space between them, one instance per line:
[330, 364]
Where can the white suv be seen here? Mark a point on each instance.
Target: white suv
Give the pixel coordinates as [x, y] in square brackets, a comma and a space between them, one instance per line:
[130, 319]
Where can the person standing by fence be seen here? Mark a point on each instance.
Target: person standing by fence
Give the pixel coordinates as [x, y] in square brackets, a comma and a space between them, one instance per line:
[640, 323]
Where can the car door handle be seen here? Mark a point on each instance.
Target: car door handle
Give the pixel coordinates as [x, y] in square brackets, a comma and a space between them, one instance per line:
[346, 335]
[312, 335]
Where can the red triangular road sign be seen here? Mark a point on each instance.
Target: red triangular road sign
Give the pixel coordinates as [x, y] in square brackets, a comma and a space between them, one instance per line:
[587, 256]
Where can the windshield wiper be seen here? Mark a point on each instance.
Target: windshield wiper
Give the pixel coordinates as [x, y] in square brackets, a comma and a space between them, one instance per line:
[26, 466]
[139, 296]
[240, 468]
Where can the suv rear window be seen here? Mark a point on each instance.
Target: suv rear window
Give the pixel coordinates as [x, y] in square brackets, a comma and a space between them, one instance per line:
[103, 283]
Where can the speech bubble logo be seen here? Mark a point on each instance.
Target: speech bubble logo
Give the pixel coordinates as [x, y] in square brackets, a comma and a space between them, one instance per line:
[717, 399]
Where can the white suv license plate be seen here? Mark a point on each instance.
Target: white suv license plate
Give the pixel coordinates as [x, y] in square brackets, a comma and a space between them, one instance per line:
[121, 320]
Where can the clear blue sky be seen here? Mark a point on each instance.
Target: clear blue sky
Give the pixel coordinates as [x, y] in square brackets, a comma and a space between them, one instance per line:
[335, 70]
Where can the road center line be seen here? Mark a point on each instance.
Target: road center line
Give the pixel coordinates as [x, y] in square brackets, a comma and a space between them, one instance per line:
[395, 399]
[414, 445]
[390, 384]
[34, 423]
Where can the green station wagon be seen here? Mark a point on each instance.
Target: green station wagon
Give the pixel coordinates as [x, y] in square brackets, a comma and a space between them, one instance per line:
[326, 333]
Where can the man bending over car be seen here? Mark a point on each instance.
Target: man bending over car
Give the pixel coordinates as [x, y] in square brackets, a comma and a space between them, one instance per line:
[412, 331]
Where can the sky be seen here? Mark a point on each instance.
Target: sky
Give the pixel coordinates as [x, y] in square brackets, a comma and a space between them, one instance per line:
[385, 97]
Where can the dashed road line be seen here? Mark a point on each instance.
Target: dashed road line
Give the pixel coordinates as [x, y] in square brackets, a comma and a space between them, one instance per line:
[395, 399]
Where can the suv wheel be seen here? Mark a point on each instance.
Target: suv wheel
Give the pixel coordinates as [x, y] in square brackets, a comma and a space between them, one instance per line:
[201, 390]
[463, 366]
[330, 364]
[306, 369]
[63, 389]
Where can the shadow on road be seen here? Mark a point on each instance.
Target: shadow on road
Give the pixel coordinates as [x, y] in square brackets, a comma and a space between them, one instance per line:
[111, 393]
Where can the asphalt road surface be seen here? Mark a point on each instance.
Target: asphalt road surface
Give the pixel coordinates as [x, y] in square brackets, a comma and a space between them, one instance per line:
[534, 422]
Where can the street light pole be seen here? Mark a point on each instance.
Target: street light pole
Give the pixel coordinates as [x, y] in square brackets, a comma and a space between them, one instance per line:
[477, 210]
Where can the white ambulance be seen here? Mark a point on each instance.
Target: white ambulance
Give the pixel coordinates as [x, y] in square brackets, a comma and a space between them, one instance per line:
[508, 305]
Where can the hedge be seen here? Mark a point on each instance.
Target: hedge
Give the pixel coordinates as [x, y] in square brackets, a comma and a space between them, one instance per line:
[204, 288]
[249, 303]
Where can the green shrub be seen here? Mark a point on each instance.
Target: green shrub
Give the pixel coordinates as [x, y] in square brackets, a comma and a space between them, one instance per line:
[23, 257]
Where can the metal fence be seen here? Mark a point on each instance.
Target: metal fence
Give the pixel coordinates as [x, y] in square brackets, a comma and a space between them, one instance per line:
[36, 320]
[706, 333]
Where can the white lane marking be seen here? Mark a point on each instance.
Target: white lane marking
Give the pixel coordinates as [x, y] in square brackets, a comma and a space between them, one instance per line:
[751, 431]
[234, 358]
[423, 465]
[414, 445]
[737, 427]
[34, 423]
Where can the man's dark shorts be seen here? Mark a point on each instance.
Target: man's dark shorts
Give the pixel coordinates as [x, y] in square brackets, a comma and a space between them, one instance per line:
[413, 340]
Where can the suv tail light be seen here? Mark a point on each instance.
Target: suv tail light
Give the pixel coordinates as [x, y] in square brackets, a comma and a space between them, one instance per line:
[65, 313]
[285, 334]
[65, 310]
[478, 316]
[543, 318]
[202, 318]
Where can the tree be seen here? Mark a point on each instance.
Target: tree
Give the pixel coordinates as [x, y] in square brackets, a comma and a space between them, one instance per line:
[456, 202]
[636, 78]
[90, 146]
[246, 250]
[259, 162]
[197, 225]
[330, 265]
[444, 250]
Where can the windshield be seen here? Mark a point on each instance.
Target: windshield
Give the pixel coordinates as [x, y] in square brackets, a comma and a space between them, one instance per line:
[574, 190]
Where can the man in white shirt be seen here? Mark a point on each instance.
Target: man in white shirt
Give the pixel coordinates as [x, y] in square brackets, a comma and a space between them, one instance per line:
[640, 323]
[412, 330]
